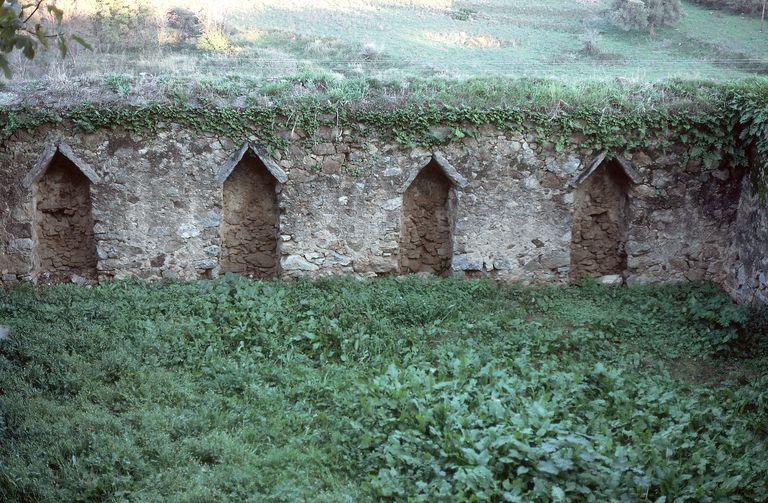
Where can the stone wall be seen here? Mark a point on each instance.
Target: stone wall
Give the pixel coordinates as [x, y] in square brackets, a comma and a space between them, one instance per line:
[159, 206]
[748, 278]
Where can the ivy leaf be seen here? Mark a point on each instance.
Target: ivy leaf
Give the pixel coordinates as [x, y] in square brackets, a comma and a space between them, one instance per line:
[548, 467]
[58, 14]
[696, 151]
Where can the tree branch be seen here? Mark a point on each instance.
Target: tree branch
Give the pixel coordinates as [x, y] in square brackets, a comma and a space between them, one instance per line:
[37, 7]
[53, 35]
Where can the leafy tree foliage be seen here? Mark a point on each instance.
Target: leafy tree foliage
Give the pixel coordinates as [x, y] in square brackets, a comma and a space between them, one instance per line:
[645, 14]
[22, 28]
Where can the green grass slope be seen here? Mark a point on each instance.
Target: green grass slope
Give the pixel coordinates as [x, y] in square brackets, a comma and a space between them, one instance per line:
[508, 38]
[396, 40]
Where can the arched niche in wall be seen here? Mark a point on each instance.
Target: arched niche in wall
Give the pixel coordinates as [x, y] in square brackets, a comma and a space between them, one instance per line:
[251, 182]
[63, 236]
[428, 217]
[601, 217]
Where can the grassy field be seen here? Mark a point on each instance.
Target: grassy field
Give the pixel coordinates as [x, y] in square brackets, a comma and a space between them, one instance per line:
[347, 390]
[397, 39]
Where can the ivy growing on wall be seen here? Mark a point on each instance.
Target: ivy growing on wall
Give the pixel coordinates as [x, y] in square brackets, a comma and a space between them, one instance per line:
[751, 111]
[725, 123]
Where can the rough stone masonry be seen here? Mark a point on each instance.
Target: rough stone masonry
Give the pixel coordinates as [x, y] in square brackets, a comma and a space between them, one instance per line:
[501, 204]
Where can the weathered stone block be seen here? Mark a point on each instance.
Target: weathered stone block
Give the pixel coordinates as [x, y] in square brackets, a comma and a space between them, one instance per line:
[637, 248]
[211, 220]
[187, 230]
[392, 204]
[207, 263]
[297, 263]
[324, 149]
[467, 262]
[20, 230]
[105, 251]
[611, 279]
[531, 183]
[212, 250]
[555, 259]
[21, 245]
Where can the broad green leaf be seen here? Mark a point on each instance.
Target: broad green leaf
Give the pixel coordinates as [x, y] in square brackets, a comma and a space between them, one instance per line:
[82, 42]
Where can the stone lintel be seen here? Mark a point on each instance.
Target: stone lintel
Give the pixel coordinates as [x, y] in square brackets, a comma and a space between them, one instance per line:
[446, 167]
[228, 167]
[631, 172]
[41, 166]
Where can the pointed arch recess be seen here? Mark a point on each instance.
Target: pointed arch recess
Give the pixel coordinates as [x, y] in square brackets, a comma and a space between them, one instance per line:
[65, 245]
[630, 172]
[426, 243]
[445, 167]
[249, 229]
[601, 218]
[45, 160]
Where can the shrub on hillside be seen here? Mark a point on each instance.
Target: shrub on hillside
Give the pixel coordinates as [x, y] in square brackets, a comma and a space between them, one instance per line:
[590, 42]
[751, 7]
[124, 24]
[215, 39]
[645, 14]
[370, 52]
[185, 23]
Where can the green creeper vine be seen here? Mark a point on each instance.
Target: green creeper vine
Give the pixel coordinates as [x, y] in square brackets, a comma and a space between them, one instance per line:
[753, 134]
[726, 130]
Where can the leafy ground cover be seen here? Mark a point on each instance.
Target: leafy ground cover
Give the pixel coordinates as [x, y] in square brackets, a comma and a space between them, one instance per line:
[343, 390]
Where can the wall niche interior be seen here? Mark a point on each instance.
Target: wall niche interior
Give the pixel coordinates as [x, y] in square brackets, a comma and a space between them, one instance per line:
[64, 222]
[250, 221]
[426, 241]
[601, 222]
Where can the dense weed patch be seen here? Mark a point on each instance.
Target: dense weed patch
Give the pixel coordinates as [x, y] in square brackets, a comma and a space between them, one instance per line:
[342, 390]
